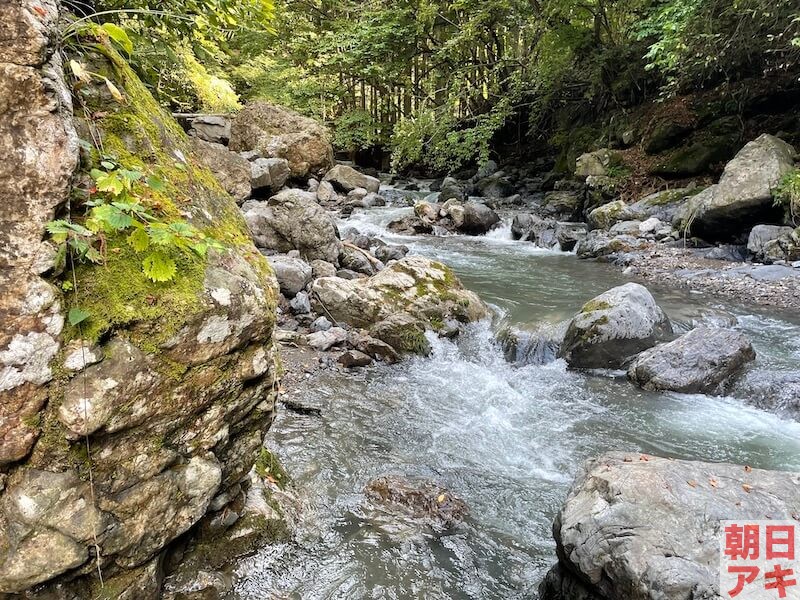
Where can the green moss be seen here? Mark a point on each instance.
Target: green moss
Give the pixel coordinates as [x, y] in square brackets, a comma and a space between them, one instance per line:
[268, 467]
[594, 305]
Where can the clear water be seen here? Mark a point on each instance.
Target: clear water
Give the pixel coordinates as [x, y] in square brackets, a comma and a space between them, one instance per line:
[508, 439]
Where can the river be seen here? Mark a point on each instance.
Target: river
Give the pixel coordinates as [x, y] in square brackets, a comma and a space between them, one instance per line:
[506, 438]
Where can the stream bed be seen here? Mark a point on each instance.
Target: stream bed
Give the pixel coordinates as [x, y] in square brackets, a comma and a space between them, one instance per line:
[506, 438]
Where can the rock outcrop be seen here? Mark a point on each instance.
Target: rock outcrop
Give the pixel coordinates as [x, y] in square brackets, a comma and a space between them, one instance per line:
[647, 528]
[469, 218]
[230, 169]
[700, 361]
[348, 179]
[613, 327]
[277, 132]
[163, 392]
[744, 192]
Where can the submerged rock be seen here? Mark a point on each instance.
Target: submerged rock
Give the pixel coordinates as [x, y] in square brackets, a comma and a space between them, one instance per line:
[419, 499]
[700, 361]
[613, 327]
[278, 132]
[647, 528]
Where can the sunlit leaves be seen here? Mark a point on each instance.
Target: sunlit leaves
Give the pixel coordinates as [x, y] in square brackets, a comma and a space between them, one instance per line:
[159, 267]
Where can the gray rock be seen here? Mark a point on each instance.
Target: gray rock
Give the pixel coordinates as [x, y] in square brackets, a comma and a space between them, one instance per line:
[669, 206]
[358, 260]
[373, 347]
[354, 358]
[293, 274]
[531, 228]
[761, 235]
[563, 205]
[665, 136]
[276, 132]
[230, 169]
[292, 220]
[326, 193]
[410, 226]
[569, 234]
[300, 304]
[268, 173]
[632, 228]
[322, 268]
[701, 361]
[647, 528]
[595, 163]
[325, 340]
[347, 179]
[390, 252]
[476, 219]
[774, 391]
[451, 190]
[605, 216]
[599, 244]
[496, 185]
[613, 327]
[211, 128]
[744, 192]
[486, 169]
[321, 324]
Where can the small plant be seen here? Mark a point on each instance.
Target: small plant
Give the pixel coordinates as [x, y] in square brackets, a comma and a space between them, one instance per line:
[114, 209]
[788, 193]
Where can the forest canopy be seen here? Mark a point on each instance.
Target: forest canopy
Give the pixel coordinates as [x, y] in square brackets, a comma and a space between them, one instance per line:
[436, 81]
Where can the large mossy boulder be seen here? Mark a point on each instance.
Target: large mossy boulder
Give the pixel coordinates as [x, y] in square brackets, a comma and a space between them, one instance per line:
[744, 194]
[230, 169]
[647, 528]
[168, 421]
[277, 132]
[613, 327]
[398, 304]
[701, 361]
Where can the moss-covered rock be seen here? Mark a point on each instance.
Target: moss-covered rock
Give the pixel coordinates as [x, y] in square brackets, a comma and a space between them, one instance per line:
[171, 415]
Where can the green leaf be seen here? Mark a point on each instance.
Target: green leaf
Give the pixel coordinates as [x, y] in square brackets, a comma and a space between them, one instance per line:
[112, 216]
[159, 267]
[155, 184]
[111, 183]
[108, 165]
[117, 33]
[139, 240]
[76, 316]
[160, 234]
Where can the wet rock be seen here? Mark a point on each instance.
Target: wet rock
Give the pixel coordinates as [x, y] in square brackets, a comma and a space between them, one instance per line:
[325, 340]
[276, 132]
[373, 347]
[410, 226]
[359, 260]
[404, 333]
[292, 220]
[744, 192]
[230, 169]
[613, 327]
[293, 274]
[451, 190]
[211, 128]
[562, 205]
[353, 359]
[472, 218]
[701, 361]
[391, 252]
[419, 499]
[624, 507]
[536, 347]
[599, 244]
[776, 392]
[569, 234]
[347, 179]
[531, 228]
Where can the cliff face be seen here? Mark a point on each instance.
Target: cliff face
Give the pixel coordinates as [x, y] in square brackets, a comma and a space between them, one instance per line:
[171, 384]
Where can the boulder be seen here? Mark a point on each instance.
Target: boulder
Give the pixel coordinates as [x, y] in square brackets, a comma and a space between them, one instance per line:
[359, 260]
[268, 173]
[785, 248]
[373, 347]
[701, 361]
[778, 392]
[326, 193]
[476, 219]
[292, 220]
[600, 244]
[697, 158]
[347, 179]
[595, 163]
[410, 226]
[761, 235]
[569, 234]
[744, 192]
[353, 359]
[277, 132]
[605, 216]
[326, 339]
[322, 268]
[629, 228]
[531, 228]
[563, 205]
[451, 190]
[666, 135]
[399, 303]
[390, 252]
[613, 327]
[211, 128]
[647, 528]
[496, 185]
[300, 304]
[230, 169]
[669, 206]
[293, 274]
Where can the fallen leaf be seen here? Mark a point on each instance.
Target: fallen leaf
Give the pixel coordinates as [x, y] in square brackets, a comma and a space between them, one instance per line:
[713, 483]
[80, 71]
[115, 92]
[747, 468]
[747, 487]
[40, 11]
[692, 483]
[441, 498]
[644, 458]
[627, 459]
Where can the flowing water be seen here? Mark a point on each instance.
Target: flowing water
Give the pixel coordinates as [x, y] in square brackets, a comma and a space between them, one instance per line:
[506, 438]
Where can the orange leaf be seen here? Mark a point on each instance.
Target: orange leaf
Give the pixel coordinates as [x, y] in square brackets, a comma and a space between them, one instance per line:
[747, 487]
[747, 468]
[40, 11]
[692, 483]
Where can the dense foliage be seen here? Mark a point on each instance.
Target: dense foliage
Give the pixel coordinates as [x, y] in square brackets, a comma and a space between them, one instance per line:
[436, 80]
